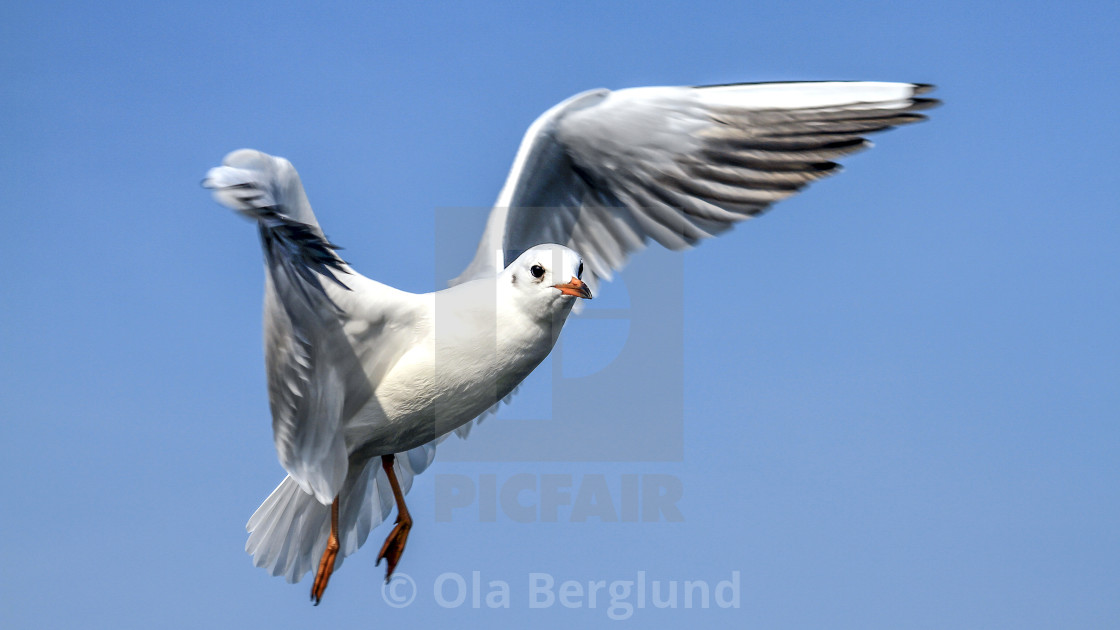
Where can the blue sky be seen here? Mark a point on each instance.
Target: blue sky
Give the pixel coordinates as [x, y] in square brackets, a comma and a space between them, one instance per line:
[896, 394]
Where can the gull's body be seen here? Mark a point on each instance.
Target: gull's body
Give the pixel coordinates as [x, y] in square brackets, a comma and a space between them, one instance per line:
[359, 370]
[457, 365]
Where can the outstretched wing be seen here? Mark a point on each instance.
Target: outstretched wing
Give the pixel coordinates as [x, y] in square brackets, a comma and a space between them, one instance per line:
[604, 172]
[330, 333]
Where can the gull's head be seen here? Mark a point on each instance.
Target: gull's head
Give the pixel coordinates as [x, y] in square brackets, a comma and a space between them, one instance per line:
[548, 277]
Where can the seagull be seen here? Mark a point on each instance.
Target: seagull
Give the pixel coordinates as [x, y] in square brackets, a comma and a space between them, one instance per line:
[365, 380]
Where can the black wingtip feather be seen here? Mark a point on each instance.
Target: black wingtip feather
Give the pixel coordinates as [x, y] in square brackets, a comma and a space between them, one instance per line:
[918, 104]
[906, 119]
[302, 251]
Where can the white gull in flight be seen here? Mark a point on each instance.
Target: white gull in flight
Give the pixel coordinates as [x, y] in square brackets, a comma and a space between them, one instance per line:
[364, 380]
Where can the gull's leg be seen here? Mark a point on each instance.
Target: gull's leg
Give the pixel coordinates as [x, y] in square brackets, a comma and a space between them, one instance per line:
[394, 544]
[326, 563]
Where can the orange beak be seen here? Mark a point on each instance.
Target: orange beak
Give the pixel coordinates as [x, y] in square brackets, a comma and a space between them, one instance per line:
[575, 287]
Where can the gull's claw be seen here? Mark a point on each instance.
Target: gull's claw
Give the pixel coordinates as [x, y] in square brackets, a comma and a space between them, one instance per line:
[394, 545]
[326, 563]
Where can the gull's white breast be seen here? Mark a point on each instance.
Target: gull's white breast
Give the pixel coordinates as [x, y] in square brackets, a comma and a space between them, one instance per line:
[475, 348]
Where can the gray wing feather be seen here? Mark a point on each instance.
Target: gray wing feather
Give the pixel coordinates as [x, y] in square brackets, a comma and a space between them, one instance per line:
[312, 374]
[604, 172]
[318, 373]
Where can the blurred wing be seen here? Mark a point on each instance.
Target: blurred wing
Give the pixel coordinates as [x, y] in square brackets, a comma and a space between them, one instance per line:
[330, 333]
[604, 172]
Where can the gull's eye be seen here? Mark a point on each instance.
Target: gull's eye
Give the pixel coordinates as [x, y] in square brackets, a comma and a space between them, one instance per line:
[579, 273]
[537, 271]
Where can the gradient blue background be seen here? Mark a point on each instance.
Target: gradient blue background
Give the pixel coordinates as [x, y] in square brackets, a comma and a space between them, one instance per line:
[900, 387]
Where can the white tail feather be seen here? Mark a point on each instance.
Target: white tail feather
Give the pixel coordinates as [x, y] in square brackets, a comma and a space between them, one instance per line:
[288, 532]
